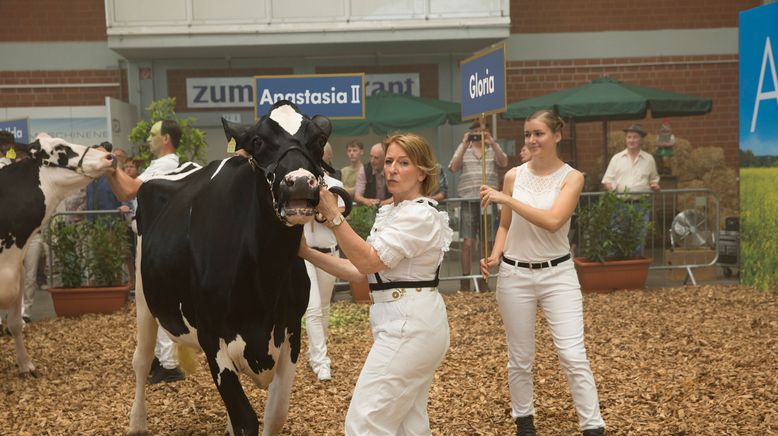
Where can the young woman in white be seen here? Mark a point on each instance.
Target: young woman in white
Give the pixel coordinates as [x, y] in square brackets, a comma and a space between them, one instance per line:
[401, 257]
[533, 252]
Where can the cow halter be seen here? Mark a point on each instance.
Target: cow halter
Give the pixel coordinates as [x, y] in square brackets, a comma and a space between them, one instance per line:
[79, 169]
[270, 175]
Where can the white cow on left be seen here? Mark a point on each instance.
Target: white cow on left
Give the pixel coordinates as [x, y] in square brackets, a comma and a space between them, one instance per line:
[30, 191]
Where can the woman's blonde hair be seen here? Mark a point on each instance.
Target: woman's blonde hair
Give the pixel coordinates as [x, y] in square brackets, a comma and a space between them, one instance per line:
[549, 118]
[420, 154]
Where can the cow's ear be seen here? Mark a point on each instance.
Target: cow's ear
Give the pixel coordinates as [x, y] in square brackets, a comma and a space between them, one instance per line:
[324, 124]
[232, 130]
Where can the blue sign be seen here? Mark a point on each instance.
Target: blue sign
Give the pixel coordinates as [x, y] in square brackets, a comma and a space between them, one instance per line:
[483, 83]
[20, 129]
[337, 96]
[759, 80]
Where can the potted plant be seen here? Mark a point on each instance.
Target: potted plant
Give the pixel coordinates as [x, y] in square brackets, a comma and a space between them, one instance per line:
[361, 220]
[611, 232]
[88, 257]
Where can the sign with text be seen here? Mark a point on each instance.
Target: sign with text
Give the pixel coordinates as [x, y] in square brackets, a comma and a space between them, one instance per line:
[483, 83]
[20, 128]
[337, 96]
[759, 80]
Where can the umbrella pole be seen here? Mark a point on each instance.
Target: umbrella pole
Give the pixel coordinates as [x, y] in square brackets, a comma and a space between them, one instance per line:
[485, 221]
[604, 145]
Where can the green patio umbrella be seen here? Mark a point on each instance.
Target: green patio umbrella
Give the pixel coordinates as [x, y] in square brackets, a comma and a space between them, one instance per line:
[608, 99]
[386, 112]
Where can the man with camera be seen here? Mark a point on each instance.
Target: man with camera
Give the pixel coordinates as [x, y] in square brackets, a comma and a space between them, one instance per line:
[467, 158]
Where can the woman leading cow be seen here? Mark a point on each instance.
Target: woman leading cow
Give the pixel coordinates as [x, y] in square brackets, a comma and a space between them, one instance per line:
[408, 317]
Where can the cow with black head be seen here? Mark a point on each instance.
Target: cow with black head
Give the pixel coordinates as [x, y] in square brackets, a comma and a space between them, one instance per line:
[30, 191]
[218, 266]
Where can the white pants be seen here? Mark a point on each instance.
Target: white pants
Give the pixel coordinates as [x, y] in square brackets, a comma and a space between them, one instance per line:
[34, 250]
[556, 289]
[317, 315]
[165, 350]
[411, 337]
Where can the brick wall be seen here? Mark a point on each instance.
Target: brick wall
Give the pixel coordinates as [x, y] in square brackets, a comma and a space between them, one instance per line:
[52, 20]
[176, 81]
[714, 77]
[59, 96]
[428, 74]
[610, 15]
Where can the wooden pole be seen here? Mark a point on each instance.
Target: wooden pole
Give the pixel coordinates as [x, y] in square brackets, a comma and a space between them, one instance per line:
[485, 221]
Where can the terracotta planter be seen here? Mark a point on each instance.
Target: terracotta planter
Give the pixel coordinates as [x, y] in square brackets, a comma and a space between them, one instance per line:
[78, 301]
[612, 275]
[360, 291]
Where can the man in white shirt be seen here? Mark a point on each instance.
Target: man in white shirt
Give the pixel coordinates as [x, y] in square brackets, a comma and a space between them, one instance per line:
[632, 169]
[163, 141]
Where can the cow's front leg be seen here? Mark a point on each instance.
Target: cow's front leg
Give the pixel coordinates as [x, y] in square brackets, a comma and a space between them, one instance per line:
[23, 361]
[277, 406]
[241, 420]
[141, 360]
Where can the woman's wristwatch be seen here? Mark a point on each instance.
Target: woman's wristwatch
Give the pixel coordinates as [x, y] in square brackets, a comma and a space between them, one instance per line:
[335, 221]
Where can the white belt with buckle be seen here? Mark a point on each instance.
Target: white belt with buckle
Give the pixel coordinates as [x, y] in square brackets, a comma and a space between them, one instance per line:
[395, 294]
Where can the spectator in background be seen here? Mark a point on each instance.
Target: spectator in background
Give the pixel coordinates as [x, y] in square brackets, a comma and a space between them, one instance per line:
[371, 184]
[327, 158]
[467, 159]
[163, 140]
[633, 170]
[99, 195]
[354, 151]
[7, 150]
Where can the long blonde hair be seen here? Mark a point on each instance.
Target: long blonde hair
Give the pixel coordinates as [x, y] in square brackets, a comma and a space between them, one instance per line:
[420, 154]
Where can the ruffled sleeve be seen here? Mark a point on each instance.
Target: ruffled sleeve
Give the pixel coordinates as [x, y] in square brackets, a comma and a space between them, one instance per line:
[409, 230]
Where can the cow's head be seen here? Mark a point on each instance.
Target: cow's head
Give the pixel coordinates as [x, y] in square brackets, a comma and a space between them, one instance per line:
[287, 147]
[58, 153]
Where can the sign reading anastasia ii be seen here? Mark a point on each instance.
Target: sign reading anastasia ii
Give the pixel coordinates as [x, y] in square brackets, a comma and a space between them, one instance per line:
[337, 96]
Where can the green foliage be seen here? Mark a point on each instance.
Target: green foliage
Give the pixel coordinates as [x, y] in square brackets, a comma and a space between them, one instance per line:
[748, 159]
[90, 252]
[611, 229]
[758, 228]
[361, 220]
[192, 146]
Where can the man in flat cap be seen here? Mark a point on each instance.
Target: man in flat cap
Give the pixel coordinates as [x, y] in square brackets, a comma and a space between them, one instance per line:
[9, 152]
[632, 169]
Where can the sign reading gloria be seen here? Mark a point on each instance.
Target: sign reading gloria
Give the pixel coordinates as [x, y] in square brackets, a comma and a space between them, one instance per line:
[338, 96]
[19, 128]
[483, 83]
[759, 80]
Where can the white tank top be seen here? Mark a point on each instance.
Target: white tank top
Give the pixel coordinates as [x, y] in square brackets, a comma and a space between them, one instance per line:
[527, 242]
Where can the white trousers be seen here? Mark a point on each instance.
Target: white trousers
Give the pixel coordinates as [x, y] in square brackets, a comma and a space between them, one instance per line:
[557, 291]
[411, 336]
[317, 315]
[34, 250]
[165, 350]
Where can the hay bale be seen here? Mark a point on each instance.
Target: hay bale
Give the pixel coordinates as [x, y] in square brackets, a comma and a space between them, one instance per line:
[723, 182]
[706, 159]
[681, 163]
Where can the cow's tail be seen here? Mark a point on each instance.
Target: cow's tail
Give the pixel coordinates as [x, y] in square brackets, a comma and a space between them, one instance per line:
[186, 358]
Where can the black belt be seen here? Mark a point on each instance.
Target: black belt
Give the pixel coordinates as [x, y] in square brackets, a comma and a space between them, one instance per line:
[326, 250]
[538, 265]
[383, 286]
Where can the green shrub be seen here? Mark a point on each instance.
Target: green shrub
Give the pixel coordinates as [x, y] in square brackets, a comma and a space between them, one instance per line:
[612, 229]
[361, 220]
[192, 146]
[90, 252]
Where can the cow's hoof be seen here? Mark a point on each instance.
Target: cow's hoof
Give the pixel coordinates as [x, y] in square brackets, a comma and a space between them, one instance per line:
[33, 373]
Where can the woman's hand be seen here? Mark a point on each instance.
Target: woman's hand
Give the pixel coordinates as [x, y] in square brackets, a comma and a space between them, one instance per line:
[328, 204]
[491, 195]
[487, 264]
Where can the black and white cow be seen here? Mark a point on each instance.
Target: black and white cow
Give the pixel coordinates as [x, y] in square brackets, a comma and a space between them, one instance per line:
[30, 191]
[218, 266]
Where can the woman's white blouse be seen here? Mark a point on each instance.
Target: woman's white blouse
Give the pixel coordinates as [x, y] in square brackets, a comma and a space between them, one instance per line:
[410, 238]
